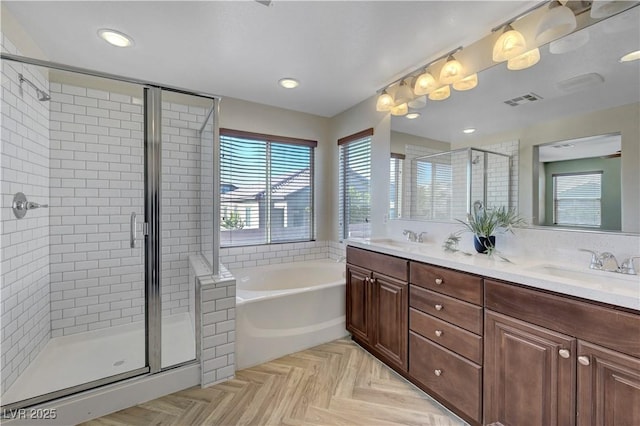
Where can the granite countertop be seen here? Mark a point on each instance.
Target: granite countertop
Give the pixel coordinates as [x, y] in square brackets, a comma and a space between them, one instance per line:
[606, 287]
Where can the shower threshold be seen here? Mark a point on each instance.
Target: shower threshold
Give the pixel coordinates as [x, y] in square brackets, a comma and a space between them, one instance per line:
[69, 361]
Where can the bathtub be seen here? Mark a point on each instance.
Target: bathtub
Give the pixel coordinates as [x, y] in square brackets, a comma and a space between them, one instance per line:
[288, 307]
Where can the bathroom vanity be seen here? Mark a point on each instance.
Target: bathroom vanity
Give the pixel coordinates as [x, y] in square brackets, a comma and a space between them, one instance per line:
[496, 343]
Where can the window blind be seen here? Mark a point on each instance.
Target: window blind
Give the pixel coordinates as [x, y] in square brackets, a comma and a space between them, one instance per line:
[434, 182]
[266, 192]
[396, 164]
[577, 199]
[355, 185]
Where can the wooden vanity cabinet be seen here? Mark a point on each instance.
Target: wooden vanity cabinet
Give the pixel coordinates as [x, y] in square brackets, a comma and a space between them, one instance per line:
[377, 304]
[445, 336]
[540, 369]
[608, 387]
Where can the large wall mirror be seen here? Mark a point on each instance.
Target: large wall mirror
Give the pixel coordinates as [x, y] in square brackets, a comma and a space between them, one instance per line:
[580, 101]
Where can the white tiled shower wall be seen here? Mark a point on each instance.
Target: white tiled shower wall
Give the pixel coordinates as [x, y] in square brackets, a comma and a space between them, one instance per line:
[97, 167]
[24, 311]
[181, 201]
[97, 170]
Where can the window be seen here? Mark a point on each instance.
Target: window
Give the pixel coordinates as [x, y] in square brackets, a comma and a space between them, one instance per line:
[434, 182]
[577, 199]
[355, 185]
[266, 188]
[395, 185]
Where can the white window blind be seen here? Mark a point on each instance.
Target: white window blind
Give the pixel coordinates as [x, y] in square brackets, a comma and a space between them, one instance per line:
[396, 164]
[434, 182]
[577, 199]
[355, 185]
[266, 193]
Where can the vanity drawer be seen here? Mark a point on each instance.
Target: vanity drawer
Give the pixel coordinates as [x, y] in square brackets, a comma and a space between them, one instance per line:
[467, 344]
[382, 263]
[456, 284]
[451, 376]
[455, 311]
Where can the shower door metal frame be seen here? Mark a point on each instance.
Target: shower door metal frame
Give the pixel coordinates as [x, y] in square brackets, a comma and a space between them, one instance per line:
[151, 227]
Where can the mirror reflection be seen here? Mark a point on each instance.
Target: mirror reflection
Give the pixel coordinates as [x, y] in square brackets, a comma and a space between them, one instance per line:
[577, 179]
[581, 88]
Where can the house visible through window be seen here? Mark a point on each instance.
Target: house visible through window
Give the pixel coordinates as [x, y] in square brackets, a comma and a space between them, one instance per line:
[577, 199]
[266, 188]
[355, 185]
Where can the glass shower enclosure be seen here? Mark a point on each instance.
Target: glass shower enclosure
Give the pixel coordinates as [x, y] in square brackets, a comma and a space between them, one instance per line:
[447, 185]
[107, 189]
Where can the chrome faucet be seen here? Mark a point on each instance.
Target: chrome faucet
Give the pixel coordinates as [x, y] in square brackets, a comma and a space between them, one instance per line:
[607, 262]
[411, 236]
[627, 266]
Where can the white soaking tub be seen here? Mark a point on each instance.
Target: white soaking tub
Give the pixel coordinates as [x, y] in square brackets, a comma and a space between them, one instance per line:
[288, 307]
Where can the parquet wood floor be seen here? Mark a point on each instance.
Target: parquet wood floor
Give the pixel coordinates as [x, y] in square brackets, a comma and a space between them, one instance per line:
[337, 383]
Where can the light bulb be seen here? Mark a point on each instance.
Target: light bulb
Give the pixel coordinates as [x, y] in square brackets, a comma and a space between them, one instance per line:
[466, 83]
[385, 102]
[425, 84]
[401, 109]
[440, 94]
[524, 61]
[451, 71]
[509, 45]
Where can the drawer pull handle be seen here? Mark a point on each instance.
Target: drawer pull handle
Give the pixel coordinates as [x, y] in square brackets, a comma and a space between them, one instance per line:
[439, 307]
[437, 372]
[438, 333]
[438, 281]
[564, 353]
[584, 360]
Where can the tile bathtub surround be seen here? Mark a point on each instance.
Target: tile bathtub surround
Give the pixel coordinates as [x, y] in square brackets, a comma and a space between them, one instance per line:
[24, 310]
[270, 254]
[218, 306]
[97, 170]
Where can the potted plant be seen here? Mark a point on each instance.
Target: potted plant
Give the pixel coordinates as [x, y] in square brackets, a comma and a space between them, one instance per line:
[485, 223]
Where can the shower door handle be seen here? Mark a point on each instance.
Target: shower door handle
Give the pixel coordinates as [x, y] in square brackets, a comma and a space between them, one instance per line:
[133, 230]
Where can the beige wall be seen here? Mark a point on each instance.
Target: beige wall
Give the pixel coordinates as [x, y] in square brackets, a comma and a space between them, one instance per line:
[258, 118]
[399, 140]
[624, 119]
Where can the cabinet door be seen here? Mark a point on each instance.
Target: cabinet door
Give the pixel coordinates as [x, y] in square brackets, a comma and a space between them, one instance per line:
[529, 374]
[359, 302]
[608, 387]
[390, 307]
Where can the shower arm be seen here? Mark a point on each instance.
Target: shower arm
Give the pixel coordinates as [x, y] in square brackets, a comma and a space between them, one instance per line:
[42, 95]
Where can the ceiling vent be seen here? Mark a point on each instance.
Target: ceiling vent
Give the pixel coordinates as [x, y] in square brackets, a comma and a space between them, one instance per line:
[524, 99]
[579, 83]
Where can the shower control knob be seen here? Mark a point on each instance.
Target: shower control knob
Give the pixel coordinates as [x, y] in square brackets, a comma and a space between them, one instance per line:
[439, 307]
[438, 281]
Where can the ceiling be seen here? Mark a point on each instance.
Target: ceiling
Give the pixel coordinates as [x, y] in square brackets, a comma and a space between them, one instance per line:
[341, 51]
[573, 149]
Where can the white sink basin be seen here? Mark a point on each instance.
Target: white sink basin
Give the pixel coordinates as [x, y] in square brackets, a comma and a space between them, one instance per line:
[399, 244]
[586, 275]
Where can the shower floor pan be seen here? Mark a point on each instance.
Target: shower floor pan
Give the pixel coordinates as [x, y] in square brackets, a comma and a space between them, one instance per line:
[84, 357]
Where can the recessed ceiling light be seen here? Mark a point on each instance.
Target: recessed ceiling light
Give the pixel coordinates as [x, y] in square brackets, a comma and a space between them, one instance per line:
[115, 38]
[631, 56]
[469, 130]
[288, 83]
[412, 115]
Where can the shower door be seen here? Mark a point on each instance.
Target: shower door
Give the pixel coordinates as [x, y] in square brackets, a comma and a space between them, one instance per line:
[75, 293]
